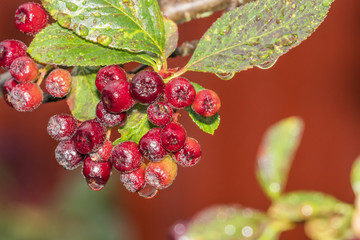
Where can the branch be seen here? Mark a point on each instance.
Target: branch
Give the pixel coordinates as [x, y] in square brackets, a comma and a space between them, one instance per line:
[186, 49]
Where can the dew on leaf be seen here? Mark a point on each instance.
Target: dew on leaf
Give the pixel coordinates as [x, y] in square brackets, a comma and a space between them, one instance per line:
[71, 6]
[104, 40]
[84, 31]
[326, 3]
[64, 19]
[225, 76]
[149, 2]
[267, 64]
[81, 17]
[286, 40]
[302, 7]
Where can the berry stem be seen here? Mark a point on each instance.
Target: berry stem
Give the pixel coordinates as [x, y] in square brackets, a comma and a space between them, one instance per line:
[108, 134]
[43, 73]
[177, 74]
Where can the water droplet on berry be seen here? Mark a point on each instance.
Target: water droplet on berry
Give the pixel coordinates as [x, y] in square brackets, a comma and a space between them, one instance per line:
[148, 192]
[84, 31]
[71, 6]
[64, 20]
[94, 185]
[104, 40]
[267, 64]
[225, 76]
[286, 40]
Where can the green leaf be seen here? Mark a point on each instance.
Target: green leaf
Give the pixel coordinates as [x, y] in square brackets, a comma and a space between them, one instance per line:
[136, 126]
[275, 155]
[171, 36]
[355, 176]
[60, 46]
[207, 124]
[131, 25]
[84, 95]
[256, 34]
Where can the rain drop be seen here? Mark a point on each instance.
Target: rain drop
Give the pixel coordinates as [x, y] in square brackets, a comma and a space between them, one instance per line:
[64, 20]
[149, 2]
[84, 31]
[104, 40]
[71, 6]
[82, 17]
[94, 185]
[148, 192]
[267, 64]
[326, 3]
[286, 40]
[225, 76]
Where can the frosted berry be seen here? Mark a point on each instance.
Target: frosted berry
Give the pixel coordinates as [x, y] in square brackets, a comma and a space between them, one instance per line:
[179, 92]
[30, 18]
[159, 113]
[24, 70]
[189, 154]
[147, 87]
[134, 181]
[150, 146]
[148, 191]
[67, 156]
[161, 174]
[89, 137]
[96, 173]
[126, 157]
[26, 97]
[109, 119]
[207, 103]
[62, 126]
[11, 50]
[173, 137]
[108, 74]
[58, 83]
[7, 88]
[104, 152]
[116, 96]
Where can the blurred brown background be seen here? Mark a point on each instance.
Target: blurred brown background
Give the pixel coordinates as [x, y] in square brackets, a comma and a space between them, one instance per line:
[318, 81]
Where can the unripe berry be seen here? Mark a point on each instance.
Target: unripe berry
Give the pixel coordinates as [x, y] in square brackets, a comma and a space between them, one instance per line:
[159, 113]
[126, 157]
[108, 74]
[109, 119]
[147, 87]
[89, 137]
[104, 152]
[7, 88]
[173, 137]
[96, 173]
[179, 92]
[134, 181]
[11, 50]
[62, 127]
[58, 83]
[26, 97]
[207, 103]
[116, 96]
[67, 156]
[24, 69]
[150, 145]
[161, 174]
[189, 154]
[30, 18]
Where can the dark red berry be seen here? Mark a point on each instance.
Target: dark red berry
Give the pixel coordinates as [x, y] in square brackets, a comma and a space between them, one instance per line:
[67, 156]
[108, 74]
[7, 88]
[11, 50]
[173, 137]
[134, 181]
[148, 191]
[62, 126]
[26, 97]
[179, 92]
[161, 174]
[109, 119]
[150, 146]
[189, 154]
[24, 69]
[58, 83]
[159, 113]
[104, 153]
[116, 96]
[126, 157]
[147, 87]
[96, 173]
[30, 18]
[89, 137]
[207, 103]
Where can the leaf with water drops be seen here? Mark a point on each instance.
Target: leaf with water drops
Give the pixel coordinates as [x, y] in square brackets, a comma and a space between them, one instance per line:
[137, 124]
[355, 176]
[60, 46]
[129, 24]
[171, 36]
[207, 124]
[275, 155]
[84, 95]
[256, 34]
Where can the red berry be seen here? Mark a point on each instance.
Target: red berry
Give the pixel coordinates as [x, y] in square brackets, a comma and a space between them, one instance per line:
[7, 88]
[147, 87]
[173, 137]
[161, 174]
[179, 92]
[159, 113]
[62, 126]
[207, 103]
[30, 18]
[116, 96]
[11, 50]
[104, 153]
[24, 69]
[126, 157]
[150, 145]
[96, 173]
[189, 154]
[26, 97]
[108, 74]
[67, 156]
[58, 83]
[134, 181]
[109, 119]
[148, 191]
[89, 137]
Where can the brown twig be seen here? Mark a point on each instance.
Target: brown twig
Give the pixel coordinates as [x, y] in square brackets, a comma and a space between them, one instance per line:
[185, 49]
